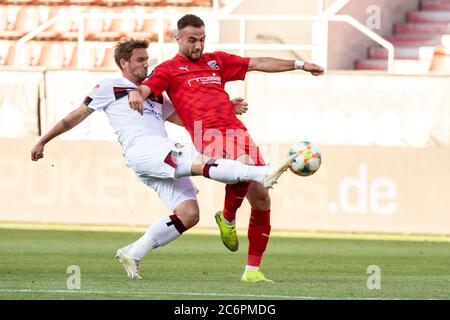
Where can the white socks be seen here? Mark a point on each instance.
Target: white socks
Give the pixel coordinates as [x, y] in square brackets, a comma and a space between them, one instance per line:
[158, 234]
[249, 268]
[230, 171]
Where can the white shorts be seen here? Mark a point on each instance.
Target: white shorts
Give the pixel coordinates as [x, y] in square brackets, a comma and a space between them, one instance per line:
[147, 156]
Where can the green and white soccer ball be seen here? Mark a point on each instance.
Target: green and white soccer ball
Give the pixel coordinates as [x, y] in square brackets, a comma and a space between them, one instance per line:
[307, 158]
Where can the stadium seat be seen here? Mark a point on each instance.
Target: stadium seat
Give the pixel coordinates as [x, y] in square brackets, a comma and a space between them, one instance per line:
[35, 52]
[21, 57]
[52, 55]
[114, 3]
[69, 55]
[27, 19]
[108, 62]
[3, 18]
[63, 25]
[124, 25]
[18, 2]
[83, 2]
[150, 2]
[94, 26]
[52, 2]
[5, 47]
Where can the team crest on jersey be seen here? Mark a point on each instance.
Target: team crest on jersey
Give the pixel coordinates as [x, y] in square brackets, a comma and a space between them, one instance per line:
[213, 64]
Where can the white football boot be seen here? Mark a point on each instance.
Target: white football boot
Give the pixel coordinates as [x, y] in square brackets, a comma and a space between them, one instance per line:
[130, 265]
[274, 172]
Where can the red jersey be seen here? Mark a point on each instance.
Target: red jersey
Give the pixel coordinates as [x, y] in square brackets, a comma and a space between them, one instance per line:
[197, 91]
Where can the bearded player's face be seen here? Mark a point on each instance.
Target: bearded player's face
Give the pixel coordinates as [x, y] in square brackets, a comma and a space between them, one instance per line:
[191, 41]
[136, 69]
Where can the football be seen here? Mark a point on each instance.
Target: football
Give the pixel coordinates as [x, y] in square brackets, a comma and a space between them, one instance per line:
[307, 158]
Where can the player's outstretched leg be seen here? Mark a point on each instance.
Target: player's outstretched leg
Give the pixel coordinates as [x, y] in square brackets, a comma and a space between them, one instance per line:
[189, 162]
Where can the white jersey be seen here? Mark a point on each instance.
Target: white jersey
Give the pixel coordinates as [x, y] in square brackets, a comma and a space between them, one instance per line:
[111, 96]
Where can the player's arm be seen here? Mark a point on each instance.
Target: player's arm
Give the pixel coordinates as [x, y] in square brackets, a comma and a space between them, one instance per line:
[137, 96]
[175, 119]
[267, 64]
[67, 123]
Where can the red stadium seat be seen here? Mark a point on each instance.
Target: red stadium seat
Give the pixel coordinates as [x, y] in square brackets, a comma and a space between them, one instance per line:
[28, 19]
[21, 57]
[19, 2]
[115, 3]
[3, 18]
[5, 51]
[35, 52]
[52, 55]
[52, 2]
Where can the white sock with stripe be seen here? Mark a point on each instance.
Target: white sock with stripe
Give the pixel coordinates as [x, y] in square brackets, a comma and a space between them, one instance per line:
[160, 233]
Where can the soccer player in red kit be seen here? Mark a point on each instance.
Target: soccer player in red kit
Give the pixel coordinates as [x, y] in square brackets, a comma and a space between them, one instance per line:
[195, 84]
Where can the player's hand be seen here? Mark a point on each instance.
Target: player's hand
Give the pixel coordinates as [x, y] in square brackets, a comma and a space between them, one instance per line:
[37, 152]
[314, 69]
[135, 101]
[240, 106]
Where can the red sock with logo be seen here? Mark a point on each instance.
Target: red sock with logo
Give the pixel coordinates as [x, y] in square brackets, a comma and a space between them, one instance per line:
[258, 236]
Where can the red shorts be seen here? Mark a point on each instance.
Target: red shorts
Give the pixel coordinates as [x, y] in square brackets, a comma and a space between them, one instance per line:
[232, 146]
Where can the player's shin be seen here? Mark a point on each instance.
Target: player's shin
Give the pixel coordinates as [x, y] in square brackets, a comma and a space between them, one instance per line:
[258, 236]
[160, 233]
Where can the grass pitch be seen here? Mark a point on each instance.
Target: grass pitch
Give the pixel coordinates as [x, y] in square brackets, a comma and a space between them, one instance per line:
[33, 265]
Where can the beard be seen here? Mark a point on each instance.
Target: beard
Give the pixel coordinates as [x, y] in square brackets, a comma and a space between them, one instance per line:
[195, 56]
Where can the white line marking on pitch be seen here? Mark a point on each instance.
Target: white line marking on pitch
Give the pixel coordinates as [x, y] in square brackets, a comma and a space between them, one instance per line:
[178, 293]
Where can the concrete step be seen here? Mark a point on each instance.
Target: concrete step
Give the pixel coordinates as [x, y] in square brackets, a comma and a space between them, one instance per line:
[429, 16]
[371, 64]
[403, 53]
[435, 5]
[401, 66]
[422, 28]
[411, 40]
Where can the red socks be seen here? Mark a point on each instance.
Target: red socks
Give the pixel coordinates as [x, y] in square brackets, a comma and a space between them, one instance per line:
[234, 196]
[259, 225]
[258, 236]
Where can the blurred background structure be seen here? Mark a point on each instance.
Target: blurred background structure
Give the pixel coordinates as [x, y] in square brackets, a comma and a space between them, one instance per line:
[381, 115]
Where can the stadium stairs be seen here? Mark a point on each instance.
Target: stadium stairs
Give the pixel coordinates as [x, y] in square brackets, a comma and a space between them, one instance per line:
[425, 31]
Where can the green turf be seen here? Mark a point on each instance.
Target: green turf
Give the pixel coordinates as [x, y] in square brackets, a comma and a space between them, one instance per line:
[199, 267]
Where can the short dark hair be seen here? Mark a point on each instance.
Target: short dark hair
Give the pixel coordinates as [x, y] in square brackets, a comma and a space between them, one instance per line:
[124, 49]
[189, 20]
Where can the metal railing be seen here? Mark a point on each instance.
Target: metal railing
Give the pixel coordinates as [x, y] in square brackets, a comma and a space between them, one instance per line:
[321, 19]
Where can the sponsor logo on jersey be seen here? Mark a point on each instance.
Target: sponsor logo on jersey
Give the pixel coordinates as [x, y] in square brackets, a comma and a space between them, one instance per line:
[213, 64]
[204, 80]
[184, 68]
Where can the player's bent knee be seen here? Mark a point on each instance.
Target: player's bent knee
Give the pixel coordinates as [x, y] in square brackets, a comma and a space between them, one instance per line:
[258, 197]
[189, 213]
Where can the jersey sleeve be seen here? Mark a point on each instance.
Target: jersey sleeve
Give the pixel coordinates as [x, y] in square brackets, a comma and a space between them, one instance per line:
[101, 96]
[233, 67]
[167, 107]
[158, 81]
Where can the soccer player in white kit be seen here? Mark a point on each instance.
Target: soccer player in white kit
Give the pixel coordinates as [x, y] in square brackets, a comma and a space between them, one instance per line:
[160, 163]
